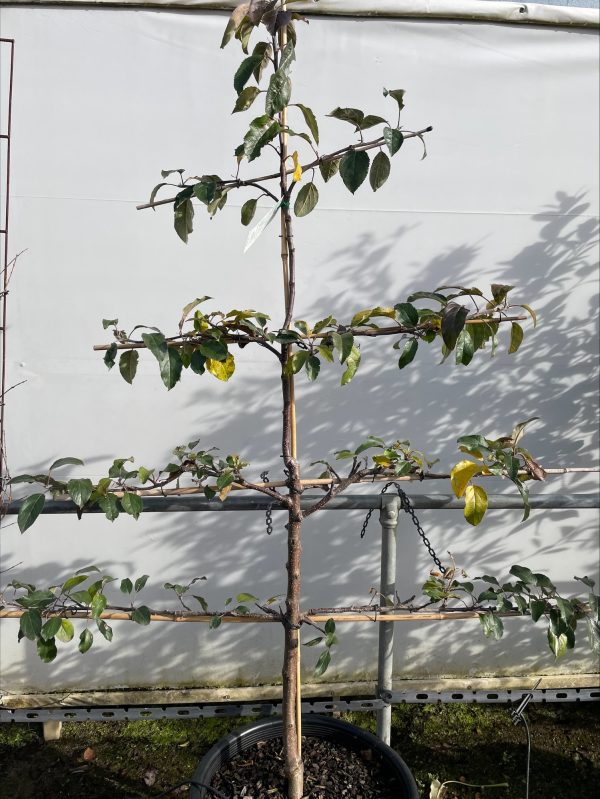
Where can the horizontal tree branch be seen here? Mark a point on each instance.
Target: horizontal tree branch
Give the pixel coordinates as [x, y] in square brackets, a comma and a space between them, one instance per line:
[239, 184]
[393, 330]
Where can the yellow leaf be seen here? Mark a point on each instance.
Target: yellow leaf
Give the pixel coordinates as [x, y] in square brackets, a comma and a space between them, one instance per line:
[221, 369]
[461, 474]
[224, 491]
[476, 503]
[382, 460]
[474, 453]
[297, 168]
[531, 312]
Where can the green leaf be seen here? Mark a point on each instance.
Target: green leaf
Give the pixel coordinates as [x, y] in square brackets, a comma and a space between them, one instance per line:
[352, 115]
[397, 94]
[371, 120]
[168, 358]
[80, 491]
[99, 603]
[475, 504]
[72, 582]
[245, 70]
[558, 643]
[246, 98]
[329, 169]
[352, 364]
[215, 622]
[311, 121]
[132, 504]
[66, 631]
[66, 462]
[343, 343]
[342, 454]
[30, 510]
[30, 624]
[262, 130]
[499, 292]
[296, 362]
[492, 626]
[106, 323]
[197, 362]
[246, 598]
[453, 321]
[428, 295]
[140, 583]
[408, 353]
[306, 199]
[524, 574]
[323, 663]
[313, 366]
[126, 586]
[183, 219]
[380, 171]
[465, 347]
[516, 337]
[46, 650]
[105, 629]
[110, 355]
[278, 93]
[248, 211]
[222, 370]
[354, 168]
[128, 363]
[214, 348]
[330, 626]
[86, 639]
[141, 615]
[537, 607]
[110, 506]
[313, 641]
[406, 314]
[394, 139]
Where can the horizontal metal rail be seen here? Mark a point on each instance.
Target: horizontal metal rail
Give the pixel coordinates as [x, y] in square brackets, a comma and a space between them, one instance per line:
[198, 502]
[258, 709]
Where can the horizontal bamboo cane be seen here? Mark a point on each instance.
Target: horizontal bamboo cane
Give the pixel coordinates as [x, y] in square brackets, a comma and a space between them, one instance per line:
[318, 618]
[326, 481]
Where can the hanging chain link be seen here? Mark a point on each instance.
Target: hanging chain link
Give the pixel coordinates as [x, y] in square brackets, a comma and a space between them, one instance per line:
[407, 507]
[268, 515]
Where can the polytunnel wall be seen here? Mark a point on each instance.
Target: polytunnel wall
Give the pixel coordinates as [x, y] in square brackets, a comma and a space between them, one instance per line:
[104, 98]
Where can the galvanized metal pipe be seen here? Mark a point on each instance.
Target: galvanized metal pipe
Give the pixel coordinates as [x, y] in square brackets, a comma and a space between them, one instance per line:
[388, 517]
[198, 502]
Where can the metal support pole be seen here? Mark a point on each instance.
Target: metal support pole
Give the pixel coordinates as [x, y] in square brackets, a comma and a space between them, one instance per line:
[388, 517]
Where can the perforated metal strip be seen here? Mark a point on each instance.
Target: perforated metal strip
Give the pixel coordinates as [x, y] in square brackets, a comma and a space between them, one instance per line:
[257, 709]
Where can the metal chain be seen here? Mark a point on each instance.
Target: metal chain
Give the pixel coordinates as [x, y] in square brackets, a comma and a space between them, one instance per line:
[268, 515]
[407, 507]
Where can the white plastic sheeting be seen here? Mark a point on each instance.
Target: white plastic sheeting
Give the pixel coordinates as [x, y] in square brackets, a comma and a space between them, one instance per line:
[565, 13]
[103, 100]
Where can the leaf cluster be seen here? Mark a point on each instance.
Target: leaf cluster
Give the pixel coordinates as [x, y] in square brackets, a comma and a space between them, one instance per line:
[45, 614]
[532, 594]
[117, 492]
[501, 457]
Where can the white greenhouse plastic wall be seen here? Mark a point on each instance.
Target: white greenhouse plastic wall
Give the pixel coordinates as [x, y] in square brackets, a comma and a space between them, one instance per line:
[104, 98]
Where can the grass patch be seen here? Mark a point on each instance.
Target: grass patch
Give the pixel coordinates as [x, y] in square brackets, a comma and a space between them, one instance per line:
[477, 743]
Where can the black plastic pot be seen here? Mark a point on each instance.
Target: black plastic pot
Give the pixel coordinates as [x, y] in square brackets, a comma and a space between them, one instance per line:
[339, 732]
